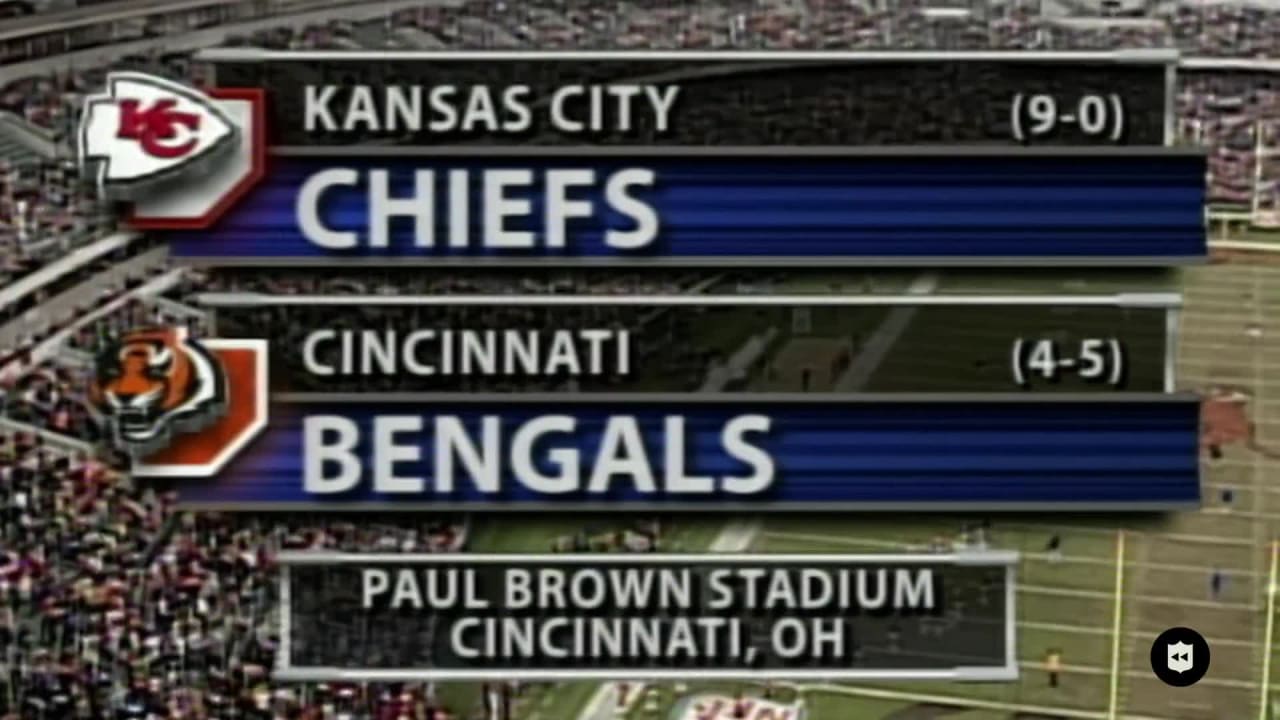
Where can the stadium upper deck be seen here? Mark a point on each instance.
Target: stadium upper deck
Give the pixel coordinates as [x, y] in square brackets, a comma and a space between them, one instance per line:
[49, 33]
[112, 605]
[1219, 28]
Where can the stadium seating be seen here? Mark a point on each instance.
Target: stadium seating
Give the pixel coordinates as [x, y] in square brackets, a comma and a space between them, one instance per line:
[13, 151]
[115, 606]
[1221, 110]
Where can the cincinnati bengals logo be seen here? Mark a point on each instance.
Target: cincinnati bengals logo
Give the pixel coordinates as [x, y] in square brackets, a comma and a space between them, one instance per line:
[154, 383]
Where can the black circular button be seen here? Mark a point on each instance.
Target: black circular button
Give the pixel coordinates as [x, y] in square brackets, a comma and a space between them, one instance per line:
[1180, 657]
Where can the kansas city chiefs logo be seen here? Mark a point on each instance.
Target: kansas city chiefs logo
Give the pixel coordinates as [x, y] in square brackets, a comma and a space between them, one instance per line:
[145, 128]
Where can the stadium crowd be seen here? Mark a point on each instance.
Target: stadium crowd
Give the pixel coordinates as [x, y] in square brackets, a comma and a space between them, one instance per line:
[1234, 113]
[115, 606]
[425, 281]
[44, 213]
[29, 322]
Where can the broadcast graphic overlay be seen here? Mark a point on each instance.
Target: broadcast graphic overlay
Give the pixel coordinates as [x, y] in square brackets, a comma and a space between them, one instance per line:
[752, 407]
[652, 181]
[1093, 419]
[648, 616]
[1112, 98]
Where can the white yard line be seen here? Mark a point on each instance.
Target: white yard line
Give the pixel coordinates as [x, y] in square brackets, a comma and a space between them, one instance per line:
[1153, 599]
[1117, 617]
[1258, 502]
[965, 702]
[1176, 537]
[1059, 627]
[872, 354]
[1064, 559]
[599, 707]
[1136, 674]
[1269, 635]
[736, 536]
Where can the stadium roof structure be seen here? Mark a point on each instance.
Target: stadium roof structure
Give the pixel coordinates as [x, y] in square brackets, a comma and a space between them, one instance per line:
[98, 14]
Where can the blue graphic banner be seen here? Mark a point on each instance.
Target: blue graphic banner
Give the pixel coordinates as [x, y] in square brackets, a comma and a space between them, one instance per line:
[719, 454]
[927, 207]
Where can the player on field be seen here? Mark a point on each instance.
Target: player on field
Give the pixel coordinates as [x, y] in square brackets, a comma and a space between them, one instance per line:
[1053, 666]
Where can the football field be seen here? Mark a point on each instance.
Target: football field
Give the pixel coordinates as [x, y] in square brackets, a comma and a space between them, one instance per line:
[1121, 580]
[922, 350]
[1117, 580]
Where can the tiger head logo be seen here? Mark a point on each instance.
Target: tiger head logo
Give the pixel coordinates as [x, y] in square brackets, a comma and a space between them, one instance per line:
[156, 382]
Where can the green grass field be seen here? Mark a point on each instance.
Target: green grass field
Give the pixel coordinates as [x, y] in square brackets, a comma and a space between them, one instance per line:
[1137, 574]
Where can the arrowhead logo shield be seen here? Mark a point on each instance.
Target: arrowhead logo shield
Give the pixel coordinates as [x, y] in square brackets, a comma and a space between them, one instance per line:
[144, 129]
[1181, 657]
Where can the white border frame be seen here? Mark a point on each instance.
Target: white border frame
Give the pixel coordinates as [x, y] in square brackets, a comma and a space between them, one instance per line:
[1171, 58]
[1167, 300]
[1171, 302]
[1152, 56]
[1008, 671]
